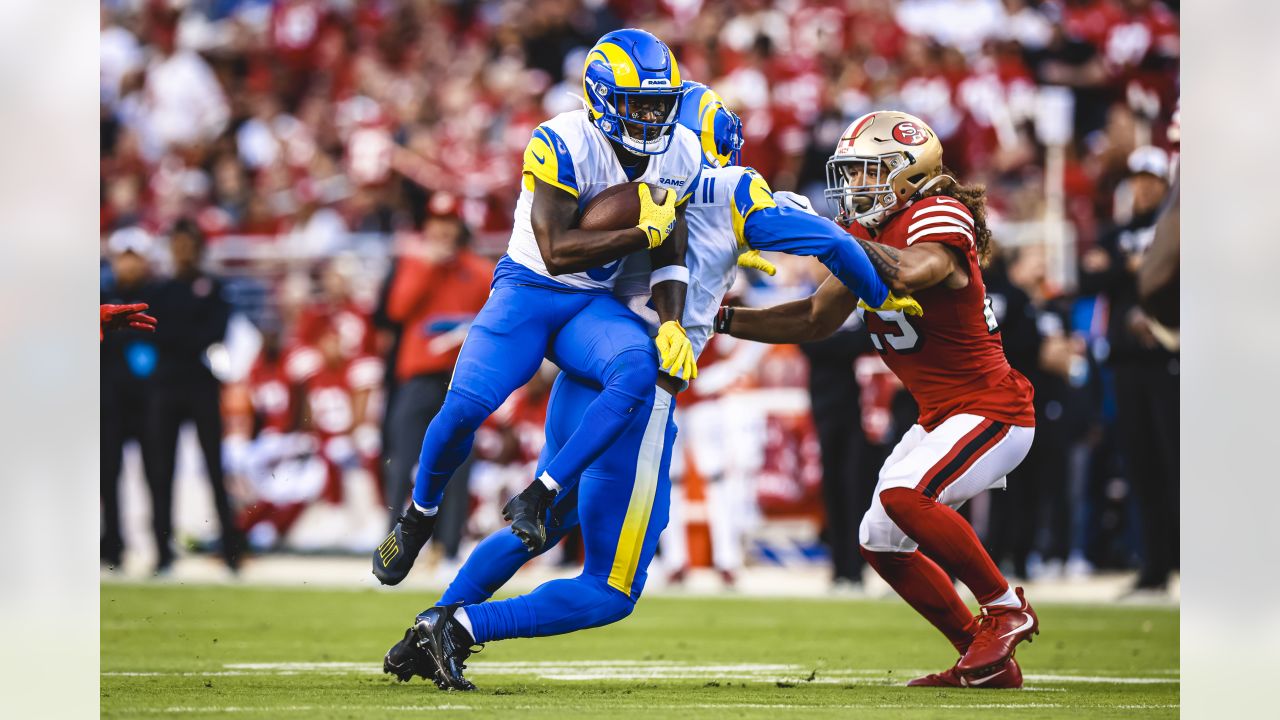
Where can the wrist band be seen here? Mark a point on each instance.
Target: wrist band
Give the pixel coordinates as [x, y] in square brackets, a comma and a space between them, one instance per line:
[678, 273]
[724, 316]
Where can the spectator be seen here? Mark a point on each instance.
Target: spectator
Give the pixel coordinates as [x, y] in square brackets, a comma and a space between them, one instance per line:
[128, 362]
[835, 402]
[438, 286]
[182, 103]
[1146, 374]
[335, 309]
[1034, 517]
[193, 316]
[1015, 513]
[1158, 277]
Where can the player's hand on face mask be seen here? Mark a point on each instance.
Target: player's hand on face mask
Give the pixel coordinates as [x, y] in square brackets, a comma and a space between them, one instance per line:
[754, 260]
[675, 351]
[906, 304]
[656, 220]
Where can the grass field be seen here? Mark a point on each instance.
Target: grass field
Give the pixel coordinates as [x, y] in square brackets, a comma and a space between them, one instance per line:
[263, 652]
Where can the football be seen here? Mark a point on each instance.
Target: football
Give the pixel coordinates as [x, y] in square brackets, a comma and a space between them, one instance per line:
[617, 207]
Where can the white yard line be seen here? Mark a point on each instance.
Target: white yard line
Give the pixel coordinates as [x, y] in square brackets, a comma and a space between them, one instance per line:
[594, 670]
[297, 708]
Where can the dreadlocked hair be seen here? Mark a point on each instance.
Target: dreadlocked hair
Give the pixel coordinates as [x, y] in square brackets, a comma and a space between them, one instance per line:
[974, 198]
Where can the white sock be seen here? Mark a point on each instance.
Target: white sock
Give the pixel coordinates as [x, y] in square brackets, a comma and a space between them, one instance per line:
[548, 483]
[1008, 599]
[428, 511]
[464, 621]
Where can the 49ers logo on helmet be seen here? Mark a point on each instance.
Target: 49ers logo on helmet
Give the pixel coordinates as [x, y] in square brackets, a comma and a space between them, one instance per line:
[909, 133]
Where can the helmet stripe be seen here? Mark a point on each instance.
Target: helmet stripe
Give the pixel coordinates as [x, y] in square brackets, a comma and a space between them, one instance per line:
[707, 112]
[624, 70]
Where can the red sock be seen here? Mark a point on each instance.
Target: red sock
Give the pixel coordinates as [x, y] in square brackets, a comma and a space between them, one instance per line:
[945, 536]
[928, 590]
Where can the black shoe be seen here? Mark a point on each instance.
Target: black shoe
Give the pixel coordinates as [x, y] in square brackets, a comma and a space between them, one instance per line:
[405, 659]
[393, 559]
[448, 645]
[233, 547]
[527, 512]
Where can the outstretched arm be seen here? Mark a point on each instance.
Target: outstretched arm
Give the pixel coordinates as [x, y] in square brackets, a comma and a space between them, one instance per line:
[800, 233]
[812, 318]
[916, 267]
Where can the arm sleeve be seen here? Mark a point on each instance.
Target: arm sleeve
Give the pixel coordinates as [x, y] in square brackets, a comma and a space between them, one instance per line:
[547, 158]
[799, 233]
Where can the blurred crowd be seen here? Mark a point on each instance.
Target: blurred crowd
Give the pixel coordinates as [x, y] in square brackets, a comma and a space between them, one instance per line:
[321, 187]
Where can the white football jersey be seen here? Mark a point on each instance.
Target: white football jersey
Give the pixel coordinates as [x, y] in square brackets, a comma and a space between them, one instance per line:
[571, 153]
[717, 213]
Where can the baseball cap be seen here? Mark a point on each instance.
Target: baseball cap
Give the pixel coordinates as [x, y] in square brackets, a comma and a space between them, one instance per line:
[1151, 160]
[130, 239]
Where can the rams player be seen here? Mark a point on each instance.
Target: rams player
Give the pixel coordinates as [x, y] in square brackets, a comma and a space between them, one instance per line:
[621, 501]
[552, 290]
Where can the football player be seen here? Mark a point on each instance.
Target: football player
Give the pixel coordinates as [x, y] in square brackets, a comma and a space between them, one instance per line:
[621, 501]
[552, 290]
[927, 236]
[726, 195]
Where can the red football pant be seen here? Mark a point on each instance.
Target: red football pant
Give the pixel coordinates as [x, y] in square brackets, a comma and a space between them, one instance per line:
[928, 590]
[945, 536]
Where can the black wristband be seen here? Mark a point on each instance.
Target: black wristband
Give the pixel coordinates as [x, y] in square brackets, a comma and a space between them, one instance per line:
[724, 316]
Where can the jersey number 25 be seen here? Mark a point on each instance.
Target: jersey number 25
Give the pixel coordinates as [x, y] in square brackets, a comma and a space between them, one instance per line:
[906, 339]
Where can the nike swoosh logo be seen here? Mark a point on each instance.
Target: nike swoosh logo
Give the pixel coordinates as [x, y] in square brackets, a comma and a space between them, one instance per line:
[538, 157]
[983, 681]
[1026, 624]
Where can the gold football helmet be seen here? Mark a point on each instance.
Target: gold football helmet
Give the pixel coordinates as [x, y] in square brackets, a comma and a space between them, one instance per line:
[884, 160]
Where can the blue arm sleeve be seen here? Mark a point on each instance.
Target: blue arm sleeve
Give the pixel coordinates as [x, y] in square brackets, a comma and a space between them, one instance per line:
[798, 233]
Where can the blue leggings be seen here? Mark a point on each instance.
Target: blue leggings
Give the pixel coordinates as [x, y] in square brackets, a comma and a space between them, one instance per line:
[592, 337]
[622, 504]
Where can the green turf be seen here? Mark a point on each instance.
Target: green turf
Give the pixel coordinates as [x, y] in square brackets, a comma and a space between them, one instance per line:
[169, 647]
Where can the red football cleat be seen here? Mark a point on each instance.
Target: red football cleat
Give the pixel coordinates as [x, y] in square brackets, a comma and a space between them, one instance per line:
[1000, 629]
[1006, 677]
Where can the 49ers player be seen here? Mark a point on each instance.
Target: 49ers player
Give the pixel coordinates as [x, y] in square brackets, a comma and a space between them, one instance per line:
[927, 236]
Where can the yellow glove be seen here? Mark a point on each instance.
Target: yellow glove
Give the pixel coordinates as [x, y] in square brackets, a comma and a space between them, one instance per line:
[752, 259]
[906, 304]
[675, 351]
[657, 221]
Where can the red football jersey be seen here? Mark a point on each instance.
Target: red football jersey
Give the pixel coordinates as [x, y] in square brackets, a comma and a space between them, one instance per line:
[330, 391]
[951, 358]
[270, 394]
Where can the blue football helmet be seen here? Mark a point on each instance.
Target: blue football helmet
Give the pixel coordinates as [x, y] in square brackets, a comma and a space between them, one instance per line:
[717, 127]
[632, 87]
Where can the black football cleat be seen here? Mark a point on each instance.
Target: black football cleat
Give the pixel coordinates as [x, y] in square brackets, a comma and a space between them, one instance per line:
[393, 559]
[448, 645]
[527, 513]
[405, 660]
